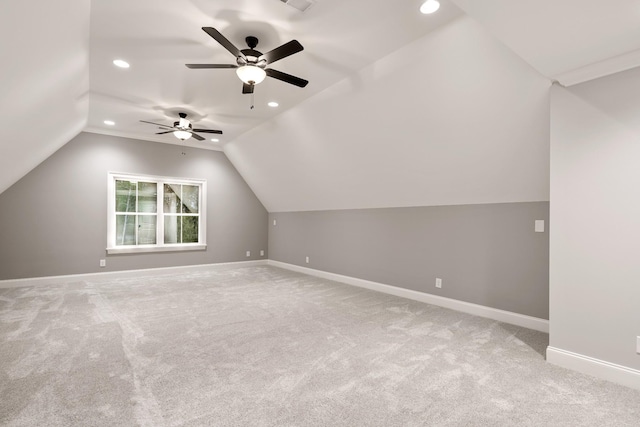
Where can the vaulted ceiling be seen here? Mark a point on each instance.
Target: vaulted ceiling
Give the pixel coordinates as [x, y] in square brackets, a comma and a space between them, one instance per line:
[402, 108]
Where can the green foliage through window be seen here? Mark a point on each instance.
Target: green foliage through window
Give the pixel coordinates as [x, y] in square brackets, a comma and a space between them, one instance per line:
[145, 211]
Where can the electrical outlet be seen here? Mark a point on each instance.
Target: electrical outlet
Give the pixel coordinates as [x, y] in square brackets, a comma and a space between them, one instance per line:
[103, 263]
[261, 253]
[275, 222]
[438, 282]
[248, 253]
[638, 345]
[306, 260]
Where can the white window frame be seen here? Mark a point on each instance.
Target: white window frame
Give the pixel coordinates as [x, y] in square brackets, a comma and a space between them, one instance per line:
[159, 246]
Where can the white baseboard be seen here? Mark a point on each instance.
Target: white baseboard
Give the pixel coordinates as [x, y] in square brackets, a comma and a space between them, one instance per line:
[623, 375]
[529, 322]
[15, 283]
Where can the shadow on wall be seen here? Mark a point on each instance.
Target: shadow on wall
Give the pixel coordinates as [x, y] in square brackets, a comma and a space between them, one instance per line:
[535, 340]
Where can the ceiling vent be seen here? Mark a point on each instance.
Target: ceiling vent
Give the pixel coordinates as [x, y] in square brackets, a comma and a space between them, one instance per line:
[301, 5]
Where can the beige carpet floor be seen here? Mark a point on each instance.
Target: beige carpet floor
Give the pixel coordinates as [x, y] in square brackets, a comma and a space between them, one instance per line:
[262, 346]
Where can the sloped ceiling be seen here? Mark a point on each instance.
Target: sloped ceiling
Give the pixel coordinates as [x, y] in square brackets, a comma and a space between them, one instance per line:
[466, 121]
[616, 96]
[158, 37]
[402, 109]
[44, 80]
[571, 41]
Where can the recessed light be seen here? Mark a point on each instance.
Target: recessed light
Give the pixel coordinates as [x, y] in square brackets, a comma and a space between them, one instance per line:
[109, 122]
[429, 6]
[273, 104]
[215, 140]
[120, 63]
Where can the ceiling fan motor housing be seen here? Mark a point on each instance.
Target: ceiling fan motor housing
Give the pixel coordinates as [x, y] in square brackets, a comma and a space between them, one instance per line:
[251, 58]
[183, 123]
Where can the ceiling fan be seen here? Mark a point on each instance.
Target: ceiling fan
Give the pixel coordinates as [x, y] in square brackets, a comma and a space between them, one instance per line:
[182, 129]
[251, 65]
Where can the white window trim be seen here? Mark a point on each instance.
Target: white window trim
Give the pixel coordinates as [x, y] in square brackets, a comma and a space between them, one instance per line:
[160, 246]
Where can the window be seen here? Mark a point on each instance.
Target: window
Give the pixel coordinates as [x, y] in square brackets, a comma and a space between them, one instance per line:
[148, 214]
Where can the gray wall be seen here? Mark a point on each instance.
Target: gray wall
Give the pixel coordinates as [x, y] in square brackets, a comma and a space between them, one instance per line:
[486, 254]
[54, 220]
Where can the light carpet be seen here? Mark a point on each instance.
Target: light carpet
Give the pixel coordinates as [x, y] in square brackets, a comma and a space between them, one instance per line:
[262, 346]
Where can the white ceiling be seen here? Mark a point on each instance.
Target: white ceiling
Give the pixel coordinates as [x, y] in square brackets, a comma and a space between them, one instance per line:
[467, 123]
[54, 88]
[571, 41]
[616, 96]
[158, 37]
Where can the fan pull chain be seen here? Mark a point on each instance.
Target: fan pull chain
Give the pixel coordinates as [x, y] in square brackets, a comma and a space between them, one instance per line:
[252, 100]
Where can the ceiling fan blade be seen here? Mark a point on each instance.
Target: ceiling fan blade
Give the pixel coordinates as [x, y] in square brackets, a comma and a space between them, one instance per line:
[196, 66]
[162, 133]
[196, 136]
[157, 124]
[247, 88]
[223, 41]
[219, 132]
[288, 78]
[283, 51]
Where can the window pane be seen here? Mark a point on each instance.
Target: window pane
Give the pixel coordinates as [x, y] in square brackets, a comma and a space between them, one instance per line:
[126, 196]
[190, 195]
[172, 198]
[146, 229]
[190, 229]
[147, 197]
[125, 230]
[172, 229]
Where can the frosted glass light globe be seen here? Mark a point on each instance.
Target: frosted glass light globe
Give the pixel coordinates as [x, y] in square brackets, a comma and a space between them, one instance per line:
[251, 73]
[182, 134]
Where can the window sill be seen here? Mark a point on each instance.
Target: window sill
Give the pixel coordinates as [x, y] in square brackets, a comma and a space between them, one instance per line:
[154, 248]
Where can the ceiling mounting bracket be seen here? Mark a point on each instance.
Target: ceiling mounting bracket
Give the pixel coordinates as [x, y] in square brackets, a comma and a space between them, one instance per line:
[301, 5]
[252, 41]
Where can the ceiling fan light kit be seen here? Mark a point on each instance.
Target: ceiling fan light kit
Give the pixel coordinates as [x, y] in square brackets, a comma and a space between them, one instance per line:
[182, 135]
[251, 74]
